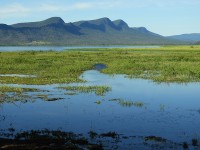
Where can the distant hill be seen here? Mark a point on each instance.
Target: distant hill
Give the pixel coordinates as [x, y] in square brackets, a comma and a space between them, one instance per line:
[198, 42]
[194, 37]
[54, 31]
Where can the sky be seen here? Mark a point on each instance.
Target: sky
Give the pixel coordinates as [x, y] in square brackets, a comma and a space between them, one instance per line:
[165, 17]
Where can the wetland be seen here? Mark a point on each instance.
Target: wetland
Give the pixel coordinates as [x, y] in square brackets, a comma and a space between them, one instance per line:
[121, 98]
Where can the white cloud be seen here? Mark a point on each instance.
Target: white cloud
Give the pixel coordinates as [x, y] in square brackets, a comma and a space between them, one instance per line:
[79, 6]
[13, 10]
[50, 7]
[21, 10]
[145, 3]
[169, 3]
[82, 6]
[61, 8]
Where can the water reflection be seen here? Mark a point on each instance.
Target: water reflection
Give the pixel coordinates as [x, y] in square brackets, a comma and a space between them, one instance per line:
[164, 113]
[99, 67]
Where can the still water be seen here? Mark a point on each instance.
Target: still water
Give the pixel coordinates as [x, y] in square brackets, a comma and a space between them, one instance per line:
[170, 111]
[61, 48]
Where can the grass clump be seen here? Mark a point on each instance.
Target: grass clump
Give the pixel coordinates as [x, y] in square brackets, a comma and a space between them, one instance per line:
[127, 103]
[155, 138]
[70, 93]
[98, 102]
[5, 89]
[130, 103]
[98, 90]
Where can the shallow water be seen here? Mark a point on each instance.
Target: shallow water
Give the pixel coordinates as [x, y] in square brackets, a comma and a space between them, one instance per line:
[170, 111]
[18, 75]
[61, 48]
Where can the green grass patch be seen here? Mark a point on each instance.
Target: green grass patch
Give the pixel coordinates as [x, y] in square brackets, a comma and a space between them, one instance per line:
[98, 90]
[164, 64]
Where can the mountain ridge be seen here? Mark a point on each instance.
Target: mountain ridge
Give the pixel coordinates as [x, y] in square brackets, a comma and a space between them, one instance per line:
[191, 37]
[52, 20]
[102, 31]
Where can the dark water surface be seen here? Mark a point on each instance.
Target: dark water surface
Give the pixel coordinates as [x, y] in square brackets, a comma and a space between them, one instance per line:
[170, 111]
[61, 48]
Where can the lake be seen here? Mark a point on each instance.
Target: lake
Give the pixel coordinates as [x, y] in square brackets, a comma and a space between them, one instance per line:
[169, 111]
[61, 48]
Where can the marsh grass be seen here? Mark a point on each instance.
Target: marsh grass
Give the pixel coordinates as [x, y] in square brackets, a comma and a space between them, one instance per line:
[98, 90]
[174, 64]
[15, 97]
[5, 89]
[127, 103]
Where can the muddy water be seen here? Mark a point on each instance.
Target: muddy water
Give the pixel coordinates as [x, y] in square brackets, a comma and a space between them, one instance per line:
[170, 111]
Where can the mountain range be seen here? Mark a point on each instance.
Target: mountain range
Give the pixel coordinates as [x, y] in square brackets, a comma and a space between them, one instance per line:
[103, 31]
[193, 37]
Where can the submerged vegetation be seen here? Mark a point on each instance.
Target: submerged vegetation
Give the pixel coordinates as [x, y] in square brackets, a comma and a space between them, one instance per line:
[58, 139]
[12, 98]
[99, 90]
[164, 64]
[47, 139]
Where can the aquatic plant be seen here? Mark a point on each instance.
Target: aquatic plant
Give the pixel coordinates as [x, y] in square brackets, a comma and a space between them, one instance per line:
[162, 107]
[98, 90]
[185, 145]
[45, 97]
[70, 93]
[42, 96]
[4, 89]
[54, 99]
[138, 104]
[98, 102]
[46, 139]
[92, 134]
[155, 138]
[194, 142]
[10, 94]
[110, 134]
[58, 139]
[15, 97]
[128, 103]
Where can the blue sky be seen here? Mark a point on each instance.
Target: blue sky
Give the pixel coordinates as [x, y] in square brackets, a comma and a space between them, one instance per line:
[165, 17]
